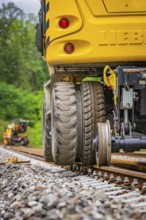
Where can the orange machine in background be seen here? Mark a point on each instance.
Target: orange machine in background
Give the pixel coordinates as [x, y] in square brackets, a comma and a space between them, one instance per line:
[15, 133]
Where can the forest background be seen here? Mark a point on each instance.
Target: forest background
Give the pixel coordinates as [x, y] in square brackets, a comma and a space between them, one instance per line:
[22, 72]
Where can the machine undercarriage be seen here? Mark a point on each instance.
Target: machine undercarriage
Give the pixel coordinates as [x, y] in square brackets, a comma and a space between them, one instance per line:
[90, 119]
[129, 114]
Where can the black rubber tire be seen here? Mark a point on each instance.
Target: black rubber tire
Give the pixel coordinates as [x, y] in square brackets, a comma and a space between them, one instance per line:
[93, 103]
[64, 123]
[25, 143]
[46, 134]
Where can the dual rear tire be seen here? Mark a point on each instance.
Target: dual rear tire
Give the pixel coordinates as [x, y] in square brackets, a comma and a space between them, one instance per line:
[64, 123]
[67, 139]
[93, 111]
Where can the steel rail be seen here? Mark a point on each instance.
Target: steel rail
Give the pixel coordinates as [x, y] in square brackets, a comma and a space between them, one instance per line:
[118, 174]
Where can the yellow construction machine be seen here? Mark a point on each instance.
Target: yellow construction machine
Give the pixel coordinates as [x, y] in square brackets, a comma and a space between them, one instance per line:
[95, 101]
[15, 133]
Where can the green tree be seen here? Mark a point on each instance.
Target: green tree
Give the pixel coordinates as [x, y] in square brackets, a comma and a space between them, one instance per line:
[22, 71]
[20, 63]
[15, 103]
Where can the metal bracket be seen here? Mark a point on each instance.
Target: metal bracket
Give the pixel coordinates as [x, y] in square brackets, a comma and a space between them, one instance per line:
[127, 99]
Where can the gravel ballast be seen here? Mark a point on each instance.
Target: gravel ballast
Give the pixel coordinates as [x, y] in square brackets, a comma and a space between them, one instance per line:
[40, 191]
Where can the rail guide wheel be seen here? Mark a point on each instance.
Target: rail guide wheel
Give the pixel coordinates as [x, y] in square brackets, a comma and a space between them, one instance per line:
[103, 146]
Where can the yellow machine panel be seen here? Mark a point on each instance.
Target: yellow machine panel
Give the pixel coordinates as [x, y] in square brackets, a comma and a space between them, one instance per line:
[125, 6]
[67, 9]
[94, 102]
[99, 30]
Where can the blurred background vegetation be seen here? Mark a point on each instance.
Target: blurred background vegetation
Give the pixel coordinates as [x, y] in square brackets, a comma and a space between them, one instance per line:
[22, 71]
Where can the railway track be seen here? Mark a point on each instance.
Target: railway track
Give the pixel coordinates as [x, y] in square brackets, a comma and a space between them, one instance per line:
[113, 174]
[118, 184]
[134, 161]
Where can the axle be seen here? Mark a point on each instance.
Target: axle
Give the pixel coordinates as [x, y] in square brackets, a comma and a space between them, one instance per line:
[129, 143]
[105, 143]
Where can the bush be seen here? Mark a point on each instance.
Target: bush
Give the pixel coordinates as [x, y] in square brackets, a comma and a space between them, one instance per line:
[35, 135]
[3, 125]
[16, 103]
[19, 104]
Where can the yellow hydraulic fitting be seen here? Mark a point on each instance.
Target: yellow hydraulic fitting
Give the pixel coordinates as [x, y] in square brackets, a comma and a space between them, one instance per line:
[110, 81]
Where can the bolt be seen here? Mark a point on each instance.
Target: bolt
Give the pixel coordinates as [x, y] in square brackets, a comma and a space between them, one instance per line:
[77, 168]
[118, 180]
[144, 185]
[95, 173]
[89, 172]
[99, 174]
[143, 190]
[105, 176]
[135, 184]
[111, 178]
[126, 181]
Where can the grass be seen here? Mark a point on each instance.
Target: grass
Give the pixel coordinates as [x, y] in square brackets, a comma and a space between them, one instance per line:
[35, 135]
[3, 125]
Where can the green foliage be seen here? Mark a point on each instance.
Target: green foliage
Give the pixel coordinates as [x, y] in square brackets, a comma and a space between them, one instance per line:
[16, 103]
[3, 125]
[20, 63]
[35, 134]
[22, 71]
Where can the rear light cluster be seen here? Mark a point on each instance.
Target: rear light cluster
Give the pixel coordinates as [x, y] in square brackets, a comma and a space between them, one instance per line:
[69, 47]
[64, 23]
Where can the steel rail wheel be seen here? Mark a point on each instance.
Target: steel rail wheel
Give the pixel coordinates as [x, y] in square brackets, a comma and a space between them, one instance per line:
[103, 155]
[93, 110]
[64, 123]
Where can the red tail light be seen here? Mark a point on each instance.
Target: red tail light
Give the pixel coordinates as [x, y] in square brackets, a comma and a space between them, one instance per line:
[69, 48]
[64, 23]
